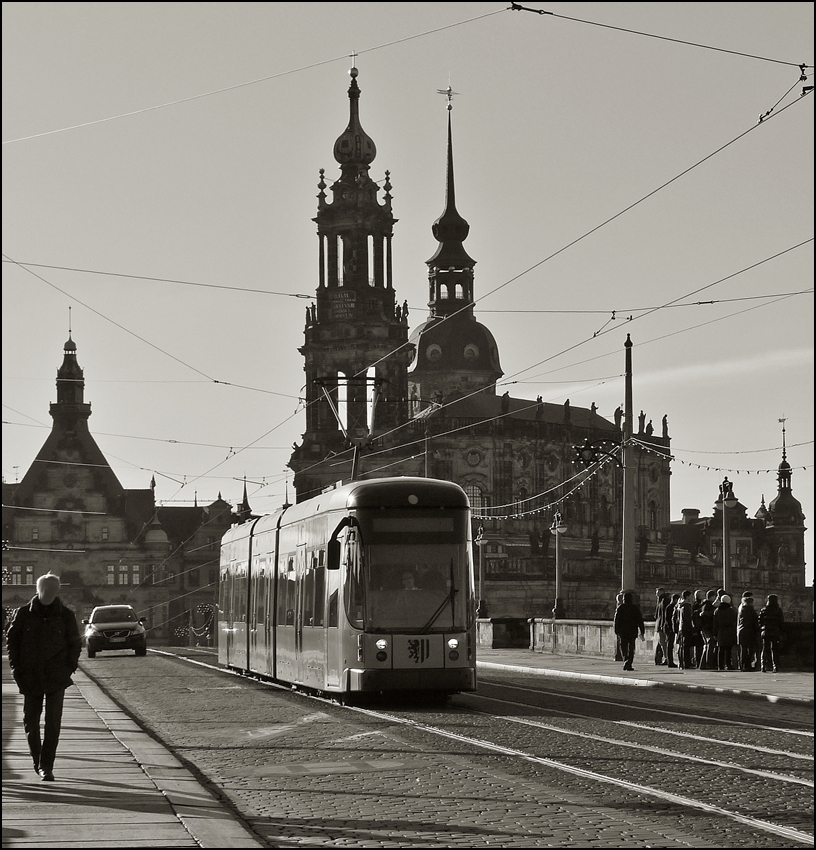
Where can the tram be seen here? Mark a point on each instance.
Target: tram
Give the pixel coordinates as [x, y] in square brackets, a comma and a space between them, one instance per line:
[367, 587]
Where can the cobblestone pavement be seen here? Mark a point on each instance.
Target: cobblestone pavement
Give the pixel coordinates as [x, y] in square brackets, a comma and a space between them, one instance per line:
[305, 774]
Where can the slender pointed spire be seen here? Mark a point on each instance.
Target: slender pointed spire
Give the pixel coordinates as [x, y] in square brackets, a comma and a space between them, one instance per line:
[450, 229]
[784, 471]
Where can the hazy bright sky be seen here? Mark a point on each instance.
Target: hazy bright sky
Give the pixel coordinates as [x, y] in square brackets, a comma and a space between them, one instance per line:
[183, 141]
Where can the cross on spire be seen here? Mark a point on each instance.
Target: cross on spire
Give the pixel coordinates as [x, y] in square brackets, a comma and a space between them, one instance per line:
[449, 94]
[783, 420]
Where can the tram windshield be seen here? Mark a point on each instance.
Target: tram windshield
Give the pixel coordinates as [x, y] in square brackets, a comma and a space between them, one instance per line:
[414, 574]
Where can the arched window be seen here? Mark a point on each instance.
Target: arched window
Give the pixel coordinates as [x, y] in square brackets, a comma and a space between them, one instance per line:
[475, 496]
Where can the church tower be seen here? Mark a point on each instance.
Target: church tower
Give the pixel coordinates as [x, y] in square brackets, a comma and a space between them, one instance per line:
[454, 354]
[787, 521]
[356, 335]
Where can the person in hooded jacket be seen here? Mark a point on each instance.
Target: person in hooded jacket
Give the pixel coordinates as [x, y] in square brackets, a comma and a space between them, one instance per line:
[725, 631]
[771, 622]
[747, 634]
[43, 651]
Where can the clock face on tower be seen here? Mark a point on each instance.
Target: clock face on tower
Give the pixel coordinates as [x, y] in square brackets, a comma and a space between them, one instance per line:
[433, 352]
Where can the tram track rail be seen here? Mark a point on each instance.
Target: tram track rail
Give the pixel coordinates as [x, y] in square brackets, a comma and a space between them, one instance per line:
[637, 788]
[499, 726]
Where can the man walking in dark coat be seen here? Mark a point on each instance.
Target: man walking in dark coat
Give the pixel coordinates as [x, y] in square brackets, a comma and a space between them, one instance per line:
[43, 651]
[628, 622]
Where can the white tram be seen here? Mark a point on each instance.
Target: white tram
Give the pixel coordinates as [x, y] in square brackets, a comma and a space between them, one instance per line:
[367, 587]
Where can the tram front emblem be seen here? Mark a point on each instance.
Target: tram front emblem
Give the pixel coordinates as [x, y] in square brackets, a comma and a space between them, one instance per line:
[419, 650]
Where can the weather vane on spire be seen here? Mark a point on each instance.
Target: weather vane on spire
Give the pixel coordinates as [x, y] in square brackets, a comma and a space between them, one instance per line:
[783, 420]
[449, 93]
[354, 54]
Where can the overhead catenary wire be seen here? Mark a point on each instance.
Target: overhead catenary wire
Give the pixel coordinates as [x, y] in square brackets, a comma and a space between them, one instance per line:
[318, 463]
[288, 72]
[250, 82]
[594, 229]
[159, 279]
[518, 8]
[491, 292]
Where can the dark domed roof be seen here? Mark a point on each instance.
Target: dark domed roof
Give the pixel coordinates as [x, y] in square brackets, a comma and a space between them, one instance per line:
[458, 342]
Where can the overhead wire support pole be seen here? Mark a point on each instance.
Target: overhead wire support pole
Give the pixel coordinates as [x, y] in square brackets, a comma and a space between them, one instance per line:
[628, 572]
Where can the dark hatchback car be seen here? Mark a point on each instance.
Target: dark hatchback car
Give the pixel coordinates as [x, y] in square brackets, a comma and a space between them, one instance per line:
[115, 627]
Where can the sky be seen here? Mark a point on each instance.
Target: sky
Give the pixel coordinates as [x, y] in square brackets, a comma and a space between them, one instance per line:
[160, 170]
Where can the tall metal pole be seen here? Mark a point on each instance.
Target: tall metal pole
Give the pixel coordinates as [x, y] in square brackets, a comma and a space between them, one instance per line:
[726, 553]
[628, 576]
[480, 604]
[727, 500]
[558, 528]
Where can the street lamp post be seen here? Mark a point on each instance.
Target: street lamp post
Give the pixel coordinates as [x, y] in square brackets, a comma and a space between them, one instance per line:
[729, 500]
[481, 607]
[558, 528]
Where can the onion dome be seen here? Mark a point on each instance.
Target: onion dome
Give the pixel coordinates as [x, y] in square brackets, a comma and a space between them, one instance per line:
[354, 147]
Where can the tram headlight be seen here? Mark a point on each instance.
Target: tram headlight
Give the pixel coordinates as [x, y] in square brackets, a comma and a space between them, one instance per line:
[453, 643]
[381, 644]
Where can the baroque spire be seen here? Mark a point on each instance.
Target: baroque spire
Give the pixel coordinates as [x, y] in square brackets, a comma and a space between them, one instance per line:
[450, 229]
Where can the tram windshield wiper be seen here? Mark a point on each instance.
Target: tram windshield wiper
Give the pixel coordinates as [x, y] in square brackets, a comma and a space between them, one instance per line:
[449, 598]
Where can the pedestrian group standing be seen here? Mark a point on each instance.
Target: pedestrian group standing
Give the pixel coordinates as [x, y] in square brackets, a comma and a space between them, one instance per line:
[708, 631]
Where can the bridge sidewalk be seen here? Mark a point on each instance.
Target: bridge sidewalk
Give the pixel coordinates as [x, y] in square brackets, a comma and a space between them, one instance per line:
[795, 687]
[115, 785]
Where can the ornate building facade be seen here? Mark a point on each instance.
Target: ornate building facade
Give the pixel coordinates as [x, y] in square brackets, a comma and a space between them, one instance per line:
[71, 516]
[437, 411]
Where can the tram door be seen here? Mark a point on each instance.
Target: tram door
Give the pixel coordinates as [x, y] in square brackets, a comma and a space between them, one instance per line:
[312, 611]
[258, 617]
[285, 623]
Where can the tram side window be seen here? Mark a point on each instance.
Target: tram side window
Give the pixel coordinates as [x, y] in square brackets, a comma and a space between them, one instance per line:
[308, 592]
[241, 593]
[333, 615]
[286, 594]
[319, 587]
[260, 588]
